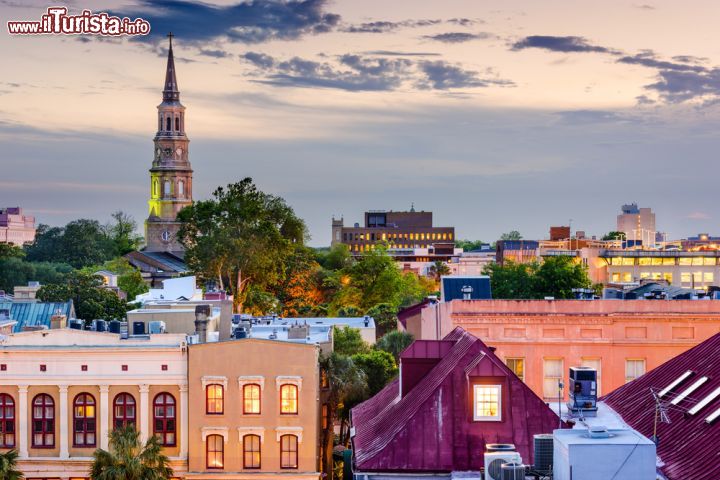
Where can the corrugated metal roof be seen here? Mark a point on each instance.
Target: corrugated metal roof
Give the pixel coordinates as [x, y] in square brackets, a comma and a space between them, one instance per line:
[36, 313]
[689, 447]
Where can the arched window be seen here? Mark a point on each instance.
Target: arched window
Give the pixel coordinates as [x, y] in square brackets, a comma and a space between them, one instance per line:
[43, 426]
[288, 399]
[181, 188]
[177, 124]
[288, 451]
[251, 451]
[164, 419]
[84, 420]
[215, 451]
[155, 188]
[159, 123]
[166, 188]
[168, 124]
[214, 400]
[251, 399]
[123, 410]
[7, 421]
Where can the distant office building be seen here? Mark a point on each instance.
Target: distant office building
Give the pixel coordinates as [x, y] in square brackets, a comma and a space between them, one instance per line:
[401, 230]
[703, 241]
[559, 233]
[696, 270]
[16, 228]
[471, 263]
[638, 224]
[516, 251]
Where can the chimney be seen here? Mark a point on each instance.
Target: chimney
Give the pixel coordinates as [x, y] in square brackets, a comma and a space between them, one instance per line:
[298, 332]
[226, 314]
[58, 321]
[202, 312]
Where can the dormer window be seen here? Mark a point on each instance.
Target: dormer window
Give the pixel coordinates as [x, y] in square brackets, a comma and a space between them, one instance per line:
[487, 403]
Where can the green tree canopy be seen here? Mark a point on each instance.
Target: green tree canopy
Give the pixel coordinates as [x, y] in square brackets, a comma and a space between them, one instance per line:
[554, 277]
[385, 316]
[614, 235]
[15, 272]
[438, 269]
[469, 245]
[121, 231]
[128, 459]
[130, 280]
[8, 466]
[379, 367]
[90, 299]
[80, 243]
[394, 343]
[511, 235]
[241, 236]
[348, 341]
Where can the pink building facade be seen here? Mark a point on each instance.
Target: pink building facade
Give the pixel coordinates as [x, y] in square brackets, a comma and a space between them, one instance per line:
[16, 228]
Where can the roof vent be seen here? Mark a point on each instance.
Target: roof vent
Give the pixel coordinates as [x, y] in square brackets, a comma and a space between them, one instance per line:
[598, 431]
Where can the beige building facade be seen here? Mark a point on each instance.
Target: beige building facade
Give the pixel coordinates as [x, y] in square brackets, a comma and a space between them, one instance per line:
[254, 410]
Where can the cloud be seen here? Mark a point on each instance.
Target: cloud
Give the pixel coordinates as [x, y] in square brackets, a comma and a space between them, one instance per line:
[698, 216]
[586, 117]
[679, 86]
[559, 44]
[464, 22]
[215, 53]
[440, 75]
[647, 59]
[689, 59]
[358, 72]
[252, 21]
[391, 53]
[457, 37]
[644, 7]
[382, 26]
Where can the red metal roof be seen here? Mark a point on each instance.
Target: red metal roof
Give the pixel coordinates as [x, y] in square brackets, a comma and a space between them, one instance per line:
[689, 447]
[430, 428]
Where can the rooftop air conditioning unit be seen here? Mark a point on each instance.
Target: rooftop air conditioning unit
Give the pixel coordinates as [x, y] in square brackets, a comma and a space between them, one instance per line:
[495, 460]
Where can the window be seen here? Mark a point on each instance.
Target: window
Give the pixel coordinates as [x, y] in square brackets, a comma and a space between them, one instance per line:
[166, 188]
[288, 399]
[181, 188]
[517, 365]
[164, 419]
[288, 451]
[634, 368]
[251, 451]
[123, 410]
[7, 421]
[43, 426]
[553, 373]
[167, 124]
[214, 399]
[84, 420]
[487, 404]
[177, 123]
[251, 398]
[708, 277]
[155, 188]
[215, 451]
[325, 416]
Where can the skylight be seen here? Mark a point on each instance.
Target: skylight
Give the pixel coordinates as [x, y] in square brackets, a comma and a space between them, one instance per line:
[674, 384]
[704, 401]
[689, 390]
[713, 416]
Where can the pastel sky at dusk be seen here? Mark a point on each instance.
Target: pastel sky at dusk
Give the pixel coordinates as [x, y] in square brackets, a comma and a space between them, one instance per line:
[495, 115]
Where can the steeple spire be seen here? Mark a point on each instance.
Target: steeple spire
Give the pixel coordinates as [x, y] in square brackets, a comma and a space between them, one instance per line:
[170, 92]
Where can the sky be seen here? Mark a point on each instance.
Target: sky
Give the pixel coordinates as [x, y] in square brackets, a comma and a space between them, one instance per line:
[495, 115]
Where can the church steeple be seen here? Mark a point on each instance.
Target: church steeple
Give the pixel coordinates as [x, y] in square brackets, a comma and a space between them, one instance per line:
[170, 92]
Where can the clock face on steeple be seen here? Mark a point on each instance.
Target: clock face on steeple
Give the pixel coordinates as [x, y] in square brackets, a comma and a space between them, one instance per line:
[165, 236]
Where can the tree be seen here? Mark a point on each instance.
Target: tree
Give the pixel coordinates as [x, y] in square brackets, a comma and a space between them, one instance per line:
[438, 269]
[129, 459]
[130, 279]
[348, 341]
[554, 277]
[469, 245]
[614, 235]
[15, 271]
[385, 316]
[511, 280]
[511, 235]
[8, 466]
[80, 243]
[298, 291]
[394, 343]
[90, 299]
[122, 233]
[8, 250]
[242, 236]
[379, 367]
[336, 258]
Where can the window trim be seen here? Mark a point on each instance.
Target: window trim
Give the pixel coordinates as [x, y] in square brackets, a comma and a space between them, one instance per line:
[494, 418]
[7, 401]
[507, 359]
[208, 439]
[297, 448]
[164, 432]
[44, 419]
[259, 451]
[125, 419]
[81, 400]
[207, 399]
[245, 412]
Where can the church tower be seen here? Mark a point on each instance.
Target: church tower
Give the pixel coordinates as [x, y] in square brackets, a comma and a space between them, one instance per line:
[171, 173]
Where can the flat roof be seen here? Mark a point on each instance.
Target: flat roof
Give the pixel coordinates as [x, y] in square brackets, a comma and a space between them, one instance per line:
[354, 322]
[318, 333]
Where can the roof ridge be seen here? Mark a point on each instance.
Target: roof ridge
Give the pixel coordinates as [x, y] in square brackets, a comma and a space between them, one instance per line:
[393, 419]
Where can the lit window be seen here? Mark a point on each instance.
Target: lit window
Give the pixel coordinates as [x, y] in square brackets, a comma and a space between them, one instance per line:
[325, 416]
[288, 451]
[668, 276]
[709, 261]
[164, 419]
[289, 399]
[517, 365]
[7, 421]
[628, 261]
[552, 375]
[627, 277]
[697, 261]
[487, 403]
[84, 424]
[668, 261]
[708, 277]
[214, 396]
[685, 261]
[616, 277]
[251, 451]
[644, 261]
[634, 368]
[686, 279]
[123, 410]
[251, 399]
[657, 261]
[43, 426]
[215, 451]
[644, 275]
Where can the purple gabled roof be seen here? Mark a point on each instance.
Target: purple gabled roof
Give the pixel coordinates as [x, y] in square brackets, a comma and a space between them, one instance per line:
[689, 446]
[430, 428]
